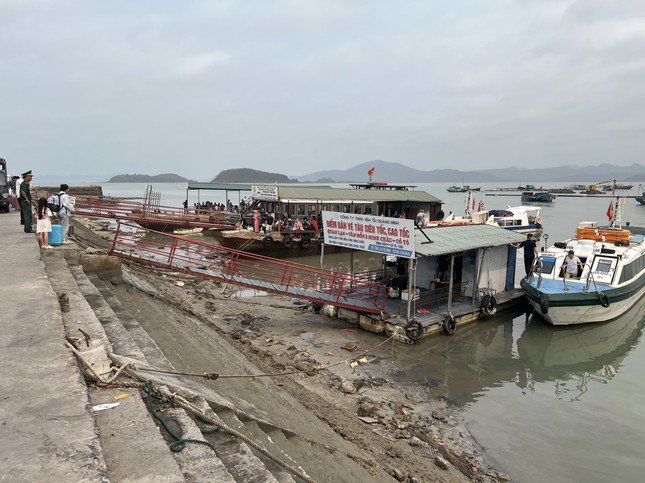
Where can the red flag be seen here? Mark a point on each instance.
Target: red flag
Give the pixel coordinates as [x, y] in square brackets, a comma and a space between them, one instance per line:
[371, 172]
[473, 203]
[610, 211]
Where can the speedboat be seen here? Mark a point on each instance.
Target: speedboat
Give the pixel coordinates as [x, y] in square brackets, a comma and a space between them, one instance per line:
[520, 219]
[611, 280]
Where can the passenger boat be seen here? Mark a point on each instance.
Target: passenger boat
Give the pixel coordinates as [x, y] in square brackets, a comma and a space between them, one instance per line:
[462, 189]
[611, 281]
[537, 197]
[520, 219]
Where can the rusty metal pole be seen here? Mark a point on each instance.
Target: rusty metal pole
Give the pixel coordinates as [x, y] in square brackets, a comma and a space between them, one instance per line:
[410, 289]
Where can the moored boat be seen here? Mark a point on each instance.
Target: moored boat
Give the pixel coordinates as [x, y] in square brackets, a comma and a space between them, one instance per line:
[641, 196]
[520, 219]
[537, 197]
[462, 189]
[610, 279]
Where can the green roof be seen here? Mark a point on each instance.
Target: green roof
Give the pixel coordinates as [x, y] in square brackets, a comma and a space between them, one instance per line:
[348, 194]
[306, 192]
[456, 239]
[194, 185]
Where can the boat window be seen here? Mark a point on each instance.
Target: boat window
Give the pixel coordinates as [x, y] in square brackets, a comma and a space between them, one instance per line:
[604, 266]
[547, 265]
[632, 269]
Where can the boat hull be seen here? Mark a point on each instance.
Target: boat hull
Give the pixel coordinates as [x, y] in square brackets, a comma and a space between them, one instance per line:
[582, 308]
[641, 199]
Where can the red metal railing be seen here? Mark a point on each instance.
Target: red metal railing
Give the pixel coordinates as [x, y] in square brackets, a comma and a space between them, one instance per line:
[236, 267]
[143, 213]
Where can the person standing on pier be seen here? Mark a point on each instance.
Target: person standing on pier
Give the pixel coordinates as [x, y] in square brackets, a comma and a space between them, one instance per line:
[25, 201]
[65, 211]
[530, 252]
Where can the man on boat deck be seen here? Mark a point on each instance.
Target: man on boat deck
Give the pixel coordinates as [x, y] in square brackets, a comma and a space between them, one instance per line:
[530, 252]
[572, 263]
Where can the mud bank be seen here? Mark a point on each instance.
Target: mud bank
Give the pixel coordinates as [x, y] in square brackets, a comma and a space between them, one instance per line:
[411, 434]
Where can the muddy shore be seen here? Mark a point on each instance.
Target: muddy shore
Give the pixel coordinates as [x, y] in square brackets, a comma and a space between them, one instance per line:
[355, 390]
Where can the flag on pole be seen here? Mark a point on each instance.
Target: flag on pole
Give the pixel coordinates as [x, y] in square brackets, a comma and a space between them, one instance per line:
[473, 203]
[610, 211]
[370, 173]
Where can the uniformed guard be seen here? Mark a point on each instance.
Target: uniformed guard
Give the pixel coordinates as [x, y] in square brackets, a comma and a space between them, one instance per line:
[25, 200]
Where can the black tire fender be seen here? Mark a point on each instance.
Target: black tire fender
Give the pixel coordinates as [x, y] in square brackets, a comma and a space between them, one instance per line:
[544, 303]
[449, 325]
[305, 242]
[489, 305]
[267, 241]
[316, 306]
[414, 330]
[604, 300]
[287, 241]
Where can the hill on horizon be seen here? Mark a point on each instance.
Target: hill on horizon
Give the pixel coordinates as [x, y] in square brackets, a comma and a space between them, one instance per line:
[400, 173]
[146, 178]
[248, 175]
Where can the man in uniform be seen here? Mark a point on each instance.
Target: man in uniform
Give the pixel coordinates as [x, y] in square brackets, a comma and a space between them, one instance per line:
[25, 200]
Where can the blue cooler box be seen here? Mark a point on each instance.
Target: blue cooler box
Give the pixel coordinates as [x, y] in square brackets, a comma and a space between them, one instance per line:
[56, 235]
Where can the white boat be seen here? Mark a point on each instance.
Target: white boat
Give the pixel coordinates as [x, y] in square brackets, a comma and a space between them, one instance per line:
[520, 219]
[611, 281]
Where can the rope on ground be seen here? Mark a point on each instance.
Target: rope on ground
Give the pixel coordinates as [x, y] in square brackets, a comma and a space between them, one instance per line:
[180, 443]
[179, 401]
[214, 375]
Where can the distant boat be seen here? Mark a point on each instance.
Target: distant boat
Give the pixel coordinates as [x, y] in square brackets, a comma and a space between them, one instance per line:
[537, 197]
[528, 187]
[561, 191]
[462, 189]
[625, 187]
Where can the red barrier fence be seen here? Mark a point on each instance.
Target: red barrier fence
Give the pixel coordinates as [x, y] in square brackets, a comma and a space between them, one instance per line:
[153, 215]
[250, 270]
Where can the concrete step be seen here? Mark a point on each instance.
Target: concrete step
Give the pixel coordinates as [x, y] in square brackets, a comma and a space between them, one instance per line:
[128, 436]
[197, 462]
[122, 342]
[151, 351]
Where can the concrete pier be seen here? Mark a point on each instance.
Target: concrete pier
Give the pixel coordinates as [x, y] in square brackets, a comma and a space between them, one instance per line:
[48, 428]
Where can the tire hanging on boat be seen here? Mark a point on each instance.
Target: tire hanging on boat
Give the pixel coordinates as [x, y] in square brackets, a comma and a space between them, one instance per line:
[544, 303]
[267, 241]
[489, 305]
[316, 306]
[287, 241]
[305, 242]
[414, 330]
[449, 325]
[604, 300]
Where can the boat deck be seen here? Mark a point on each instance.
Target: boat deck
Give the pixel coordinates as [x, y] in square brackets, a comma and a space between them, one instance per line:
[556, 286]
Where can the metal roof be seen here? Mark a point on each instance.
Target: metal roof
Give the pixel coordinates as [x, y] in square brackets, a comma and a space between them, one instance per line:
[456, 239]
[194, 185]
[342, 194]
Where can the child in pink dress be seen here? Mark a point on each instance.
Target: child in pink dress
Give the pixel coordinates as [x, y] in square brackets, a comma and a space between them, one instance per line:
[43, 223]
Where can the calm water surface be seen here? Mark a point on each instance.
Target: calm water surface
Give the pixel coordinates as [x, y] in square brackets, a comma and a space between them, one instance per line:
[547, 404]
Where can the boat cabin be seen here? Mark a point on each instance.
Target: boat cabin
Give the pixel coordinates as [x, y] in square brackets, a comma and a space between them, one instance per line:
[455, 266]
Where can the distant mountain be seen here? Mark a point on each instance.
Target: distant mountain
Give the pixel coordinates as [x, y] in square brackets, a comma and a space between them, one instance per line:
[399, 173]
[247, 175]
[145, 178]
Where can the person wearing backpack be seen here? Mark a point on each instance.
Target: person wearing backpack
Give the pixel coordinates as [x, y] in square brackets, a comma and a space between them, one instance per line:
[63, 209]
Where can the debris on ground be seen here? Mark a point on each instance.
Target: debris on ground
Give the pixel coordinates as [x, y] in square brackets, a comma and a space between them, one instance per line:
[349, 346]
[347, 387]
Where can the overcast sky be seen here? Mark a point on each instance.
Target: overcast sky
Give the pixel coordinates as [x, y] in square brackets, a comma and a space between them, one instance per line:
[194, 87]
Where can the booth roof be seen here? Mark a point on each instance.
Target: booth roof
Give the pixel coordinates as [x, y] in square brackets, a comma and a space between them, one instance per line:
[456, 239]
[331, 194]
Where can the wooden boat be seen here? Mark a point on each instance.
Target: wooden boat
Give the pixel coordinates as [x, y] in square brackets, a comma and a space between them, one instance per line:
[610, 282]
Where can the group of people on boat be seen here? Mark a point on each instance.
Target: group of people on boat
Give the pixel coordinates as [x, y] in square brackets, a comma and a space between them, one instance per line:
[268, 223]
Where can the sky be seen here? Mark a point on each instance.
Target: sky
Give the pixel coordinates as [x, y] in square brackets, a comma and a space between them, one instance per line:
[194, 87]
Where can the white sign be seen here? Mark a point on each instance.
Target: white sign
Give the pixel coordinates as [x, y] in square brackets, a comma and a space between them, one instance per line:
[377, 234]
[265, 192]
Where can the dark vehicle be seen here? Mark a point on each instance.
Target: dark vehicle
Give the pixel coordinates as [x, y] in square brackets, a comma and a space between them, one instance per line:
[4, 187]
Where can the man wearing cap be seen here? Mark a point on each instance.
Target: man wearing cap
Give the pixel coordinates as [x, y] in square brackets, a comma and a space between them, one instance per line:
[25, 200]
[572, 263]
